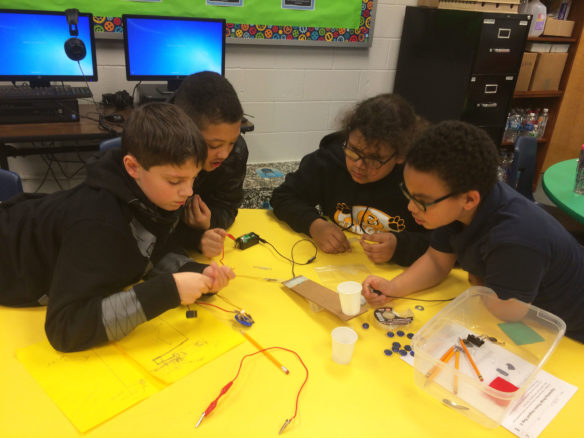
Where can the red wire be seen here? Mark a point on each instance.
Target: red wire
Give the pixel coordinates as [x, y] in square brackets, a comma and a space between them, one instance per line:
[228, 385]
[214, 305]
[223, 250]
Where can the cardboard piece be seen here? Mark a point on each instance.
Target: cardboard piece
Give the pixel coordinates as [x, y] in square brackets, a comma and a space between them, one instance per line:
[561, 28]
[525, 72]
[548, 71]
[502, 6]
[320, 295]
[499, 6]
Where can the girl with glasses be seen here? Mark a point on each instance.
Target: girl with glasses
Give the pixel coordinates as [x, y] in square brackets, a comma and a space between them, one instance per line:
[353, 178]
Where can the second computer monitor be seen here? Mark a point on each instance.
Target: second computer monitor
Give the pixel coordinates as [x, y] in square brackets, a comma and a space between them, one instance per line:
[172, 48]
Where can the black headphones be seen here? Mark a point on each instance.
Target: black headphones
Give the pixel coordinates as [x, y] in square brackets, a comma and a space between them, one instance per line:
[74, 47]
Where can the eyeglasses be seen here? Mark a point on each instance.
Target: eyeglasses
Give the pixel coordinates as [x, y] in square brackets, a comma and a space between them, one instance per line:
[374, 163]
[421, 204]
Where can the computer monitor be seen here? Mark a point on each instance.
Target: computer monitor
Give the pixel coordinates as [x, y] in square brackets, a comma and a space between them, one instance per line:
[172, 48]
[32, 44]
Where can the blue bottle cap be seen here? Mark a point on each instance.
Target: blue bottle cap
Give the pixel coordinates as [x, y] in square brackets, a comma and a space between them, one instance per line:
[390, 334]
[387, 352]
[410, 335]
[400, 333]
[407, 347]
[365, 325]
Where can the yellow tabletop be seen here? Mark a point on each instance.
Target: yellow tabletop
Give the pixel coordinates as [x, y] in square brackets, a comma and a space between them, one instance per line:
[374, 394]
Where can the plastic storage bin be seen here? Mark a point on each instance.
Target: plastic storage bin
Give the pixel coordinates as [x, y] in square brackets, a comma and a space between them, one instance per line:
[507, 362]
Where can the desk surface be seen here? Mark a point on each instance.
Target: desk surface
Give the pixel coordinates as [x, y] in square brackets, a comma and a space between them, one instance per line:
[373, 394]
[86, 128]
[558, 185]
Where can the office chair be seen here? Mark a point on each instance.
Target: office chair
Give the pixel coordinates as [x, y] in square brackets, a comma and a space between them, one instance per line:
[10, 184]
[115, 142]
[522, 170]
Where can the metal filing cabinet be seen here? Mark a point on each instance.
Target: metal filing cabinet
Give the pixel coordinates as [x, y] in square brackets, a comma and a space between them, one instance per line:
[461, 65]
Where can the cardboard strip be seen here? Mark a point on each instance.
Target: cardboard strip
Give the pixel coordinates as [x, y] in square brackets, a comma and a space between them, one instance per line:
[320, 295]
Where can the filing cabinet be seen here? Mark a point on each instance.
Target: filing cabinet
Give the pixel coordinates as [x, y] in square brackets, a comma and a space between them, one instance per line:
[461, 65]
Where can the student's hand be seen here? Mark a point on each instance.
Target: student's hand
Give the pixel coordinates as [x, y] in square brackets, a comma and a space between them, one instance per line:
[329, 237]
[197, 214]
[383, 250]
[219, 275]
[474, 280]
[212, 242]
[380, 284]
[191, 286]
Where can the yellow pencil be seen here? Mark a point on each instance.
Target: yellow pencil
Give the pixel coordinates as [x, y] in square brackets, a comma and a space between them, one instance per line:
[268, 355]
[445, 358]
[470, 360]
[456, 366]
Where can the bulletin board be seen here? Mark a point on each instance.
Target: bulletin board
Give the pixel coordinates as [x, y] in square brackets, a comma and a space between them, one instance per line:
[344, 23]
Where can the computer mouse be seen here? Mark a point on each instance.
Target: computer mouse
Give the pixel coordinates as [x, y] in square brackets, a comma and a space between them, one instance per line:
[114, 117]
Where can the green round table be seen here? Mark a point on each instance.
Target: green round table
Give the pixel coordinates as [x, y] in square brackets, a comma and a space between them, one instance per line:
[558, 185]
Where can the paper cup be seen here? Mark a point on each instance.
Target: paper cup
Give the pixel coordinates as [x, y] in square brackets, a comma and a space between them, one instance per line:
[350, 296]
[344, 339]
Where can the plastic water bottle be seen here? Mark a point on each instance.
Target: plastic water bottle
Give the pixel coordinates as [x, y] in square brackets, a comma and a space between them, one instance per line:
[542, 121]
[538, 12]
[579, 186]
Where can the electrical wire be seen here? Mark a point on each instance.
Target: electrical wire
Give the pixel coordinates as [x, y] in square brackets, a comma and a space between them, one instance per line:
[291, 259]
[228, 386]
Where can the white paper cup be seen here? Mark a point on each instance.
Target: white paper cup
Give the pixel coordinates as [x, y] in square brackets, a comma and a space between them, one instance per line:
[350, 296]
[344, 339]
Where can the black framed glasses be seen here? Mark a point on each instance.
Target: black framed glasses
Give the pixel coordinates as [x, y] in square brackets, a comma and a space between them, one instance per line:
[371, 162]
[421, 204]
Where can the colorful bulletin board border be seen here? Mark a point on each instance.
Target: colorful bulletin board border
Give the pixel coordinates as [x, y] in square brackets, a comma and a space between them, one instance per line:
[361, 36]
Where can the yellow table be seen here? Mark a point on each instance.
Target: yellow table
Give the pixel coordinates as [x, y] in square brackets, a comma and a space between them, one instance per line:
[373, 395]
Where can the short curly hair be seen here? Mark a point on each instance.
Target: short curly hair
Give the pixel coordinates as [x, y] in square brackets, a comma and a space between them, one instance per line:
[385, 118]
[461, 154]
[208, 98]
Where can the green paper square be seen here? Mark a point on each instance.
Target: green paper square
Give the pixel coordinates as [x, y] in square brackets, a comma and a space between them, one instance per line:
[520, 333]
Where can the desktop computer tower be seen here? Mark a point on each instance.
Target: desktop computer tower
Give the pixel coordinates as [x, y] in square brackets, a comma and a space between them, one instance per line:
[153, 93]
[38, 111]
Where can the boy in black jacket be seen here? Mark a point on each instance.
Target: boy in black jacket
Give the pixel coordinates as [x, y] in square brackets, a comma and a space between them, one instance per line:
[76, 250]
[354, 177]
[211, 101]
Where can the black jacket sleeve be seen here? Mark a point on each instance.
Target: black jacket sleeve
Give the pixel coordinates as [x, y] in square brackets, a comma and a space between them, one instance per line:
[222, 189]
[295, 200]
[95, 263]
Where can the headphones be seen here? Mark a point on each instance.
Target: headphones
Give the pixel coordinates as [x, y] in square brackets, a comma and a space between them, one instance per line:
[74, 47]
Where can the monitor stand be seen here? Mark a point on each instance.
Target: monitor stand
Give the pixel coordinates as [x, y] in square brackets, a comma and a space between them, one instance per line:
[157, 92]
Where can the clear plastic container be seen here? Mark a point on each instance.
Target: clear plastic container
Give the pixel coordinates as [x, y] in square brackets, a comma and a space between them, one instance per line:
[538, 12]
[508, 360]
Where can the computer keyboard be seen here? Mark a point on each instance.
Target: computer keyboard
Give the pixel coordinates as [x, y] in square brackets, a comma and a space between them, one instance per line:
[52, 92]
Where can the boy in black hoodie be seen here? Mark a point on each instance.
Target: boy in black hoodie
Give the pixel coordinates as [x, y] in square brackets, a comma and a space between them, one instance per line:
[211, 101]
[76, 250]
[354, 177]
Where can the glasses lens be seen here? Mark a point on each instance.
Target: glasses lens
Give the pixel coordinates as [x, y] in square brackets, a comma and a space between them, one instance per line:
[420, 205]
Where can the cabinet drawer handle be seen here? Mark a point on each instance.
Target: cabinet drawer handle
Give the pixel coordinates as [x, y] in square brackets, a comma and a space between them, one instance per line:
[487, 105]
[491, 88]
[504, 33]
[500, 50]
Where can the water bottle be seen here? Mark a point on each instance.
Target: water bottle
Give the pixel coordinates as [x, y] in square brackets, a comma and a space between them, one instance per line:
[538, 13]
[542, 121]
[579, 186]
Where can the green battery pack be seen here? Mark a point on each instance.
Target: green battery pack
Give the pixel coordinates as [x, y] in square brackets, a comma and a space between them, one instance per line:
[247, 240]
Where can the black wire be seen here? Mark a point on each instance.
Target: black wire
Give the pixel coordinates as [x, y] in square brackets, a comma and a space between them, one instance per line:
[310, 260]
[378, 292]
[418, 299]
